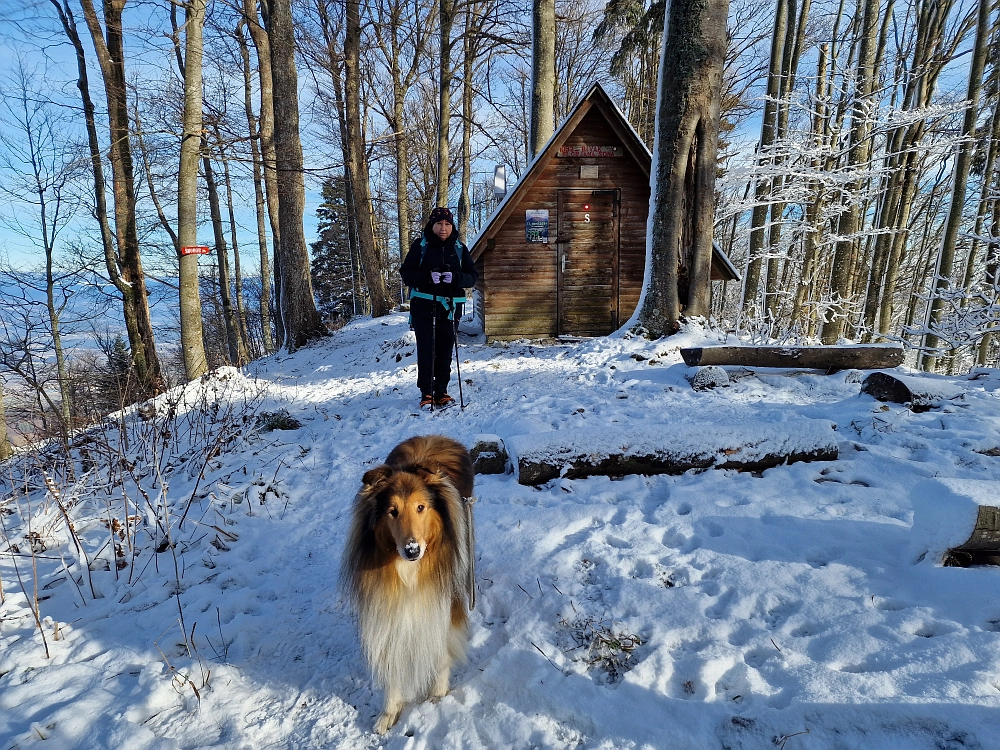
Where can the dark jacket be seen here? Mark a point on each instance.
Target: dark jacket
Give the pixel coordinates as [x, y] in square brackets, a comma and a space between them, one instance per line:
[438, 256]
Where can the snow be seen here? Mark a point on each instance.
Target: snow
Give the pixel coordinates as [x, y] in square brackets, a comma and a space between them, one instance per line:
[715, 609]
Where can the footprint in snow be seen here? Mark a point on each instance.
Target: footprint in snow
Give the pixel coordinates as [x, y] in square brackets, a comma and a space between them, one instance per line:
[722, 608]
[889, 605]
[714, 529]
[932, 629]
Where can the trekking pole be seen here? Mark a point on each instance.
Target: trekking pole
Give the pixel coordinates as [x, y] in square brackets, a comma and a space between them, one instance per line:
[458, 367]
[434, 330]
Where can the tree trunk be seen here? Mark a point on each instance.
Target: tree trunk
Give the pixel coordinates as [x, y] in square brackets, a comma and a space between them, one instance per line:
[762, 192]
[262, 45]
[258, 191]
[775, 293]
[237, 354]
[127, 263]
[859, 153]
[447, 8]
[302, 322]
[963, 163]
[543, 73]
[192, 336]
[240, 321]
[813, 226]
[335, 67]
[991, 188]
[6, 451]
[357, 165]
[468, 64]
[687, 127]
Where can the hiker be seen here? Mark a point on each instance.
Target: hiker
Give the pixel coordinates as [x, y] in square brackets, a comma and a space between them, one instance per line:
[437, 269]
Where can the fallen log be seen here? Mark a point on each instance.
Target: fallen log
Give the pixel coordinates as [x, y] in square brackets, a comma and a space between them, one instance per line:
[921, 393]
[669, 449]
[853, 357]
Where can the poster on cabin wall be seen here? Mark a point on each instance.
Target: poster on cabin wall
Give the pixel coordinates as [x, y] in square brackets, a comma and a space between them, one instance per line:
[536, 225]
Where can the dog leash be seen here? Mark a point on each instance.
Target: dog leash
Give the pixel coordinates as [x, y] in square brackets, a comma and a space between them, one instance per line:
[468, 502]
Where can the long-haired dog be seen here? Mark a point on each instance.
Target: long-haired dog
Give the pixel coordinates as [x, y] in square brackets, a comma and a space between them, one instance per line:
[406, 569]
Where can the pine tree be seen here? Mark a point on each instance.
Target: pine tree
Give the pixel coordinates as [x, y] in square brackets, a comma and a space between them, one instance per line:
[332, 268]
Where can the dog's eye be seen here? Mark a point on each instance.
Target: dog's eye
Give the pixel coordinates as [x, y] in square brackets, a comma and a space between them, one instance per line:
[393, 512]
[420, 509]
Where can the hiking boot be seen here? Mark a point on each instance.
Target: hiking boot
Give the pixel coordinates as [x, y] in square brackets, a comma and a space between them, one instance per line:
[426, 401]
[444, 400]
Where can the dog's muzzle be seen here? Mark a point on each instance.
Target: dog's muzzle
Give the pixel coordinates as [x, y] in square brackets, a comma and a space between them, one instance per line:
[412, 550]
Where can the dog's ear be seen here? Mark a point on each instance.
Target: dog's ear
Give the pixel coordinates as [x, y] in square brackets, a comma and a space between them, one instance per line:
[423, 472]
[436, 479]
[377, 475]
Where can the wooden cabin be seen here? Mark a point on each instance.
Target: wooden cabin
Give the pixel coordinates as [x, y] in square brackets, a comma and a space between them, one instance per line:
[565, 251]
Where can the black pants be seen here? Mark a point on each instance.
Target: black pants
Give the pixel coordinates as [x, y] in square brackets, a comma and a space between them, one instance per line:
[435, 339]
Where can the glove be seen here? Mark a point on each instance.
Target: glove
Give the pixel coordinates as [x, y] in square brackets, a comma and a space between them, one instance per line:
[436, 277]
[446, 277]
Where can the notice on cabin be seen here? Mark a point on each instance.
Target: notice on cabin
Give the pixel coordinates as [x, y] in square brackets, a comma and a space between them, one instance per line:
[536, 225]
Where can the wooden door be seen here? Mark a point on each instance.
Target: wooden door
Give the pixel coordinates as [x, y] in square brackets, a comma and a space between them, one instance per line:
[587, 245]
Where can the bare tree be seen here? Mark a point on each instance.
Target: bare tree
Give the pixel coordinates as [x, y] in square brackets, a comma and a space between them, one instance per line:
[447, 20]
[963, 160]
[357, 166]
[257, 167]
[300, 319]
[543, 73]
[41, 165]
[192, 338]
[234, 340]
[402, 35]
[121, 248]
[262, 46]
[858, 155]
[687, 124]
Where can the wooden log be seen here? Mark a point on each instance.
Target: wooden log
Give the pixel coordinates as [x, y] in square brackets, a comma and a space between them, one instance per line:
[921, 393]
[956, 522]
[858, 357]
[669, 449]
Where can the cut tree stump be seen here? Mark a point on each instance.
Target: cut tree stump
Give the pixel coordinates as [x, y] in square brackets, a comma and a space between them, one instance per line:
[488, 455]
[921, 393]
[956, 522]
[669, 449]
[854, 357]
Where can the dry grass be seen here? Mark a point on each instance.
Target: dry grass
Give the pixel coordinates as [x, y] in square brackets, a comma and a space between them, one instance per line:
[600, 644]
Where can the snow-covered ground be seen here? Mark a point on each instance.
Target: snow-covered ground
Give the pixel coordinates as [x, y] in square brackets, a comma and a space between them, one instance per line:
[715, 609]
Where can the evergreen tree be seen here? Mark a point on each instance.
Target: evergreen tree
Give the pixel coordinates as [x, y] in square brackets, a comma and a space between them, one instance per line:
[332, 268]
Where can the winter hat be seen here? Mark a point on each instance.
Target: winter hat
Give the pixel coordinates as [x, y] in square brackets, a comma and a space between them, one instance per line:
[440, 213]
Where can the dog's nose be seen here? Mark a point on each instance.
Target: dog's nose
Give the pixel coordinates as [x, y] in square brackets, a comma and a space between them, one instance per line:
[412, 550]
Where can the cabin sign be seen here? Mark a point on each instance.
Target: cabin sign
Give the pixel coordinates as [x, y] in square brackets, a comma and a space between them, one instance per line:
[536, 225]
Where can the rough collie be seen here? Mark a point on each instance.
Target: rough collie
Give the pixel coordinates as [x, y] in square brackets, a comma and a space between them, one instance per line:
[407, 568]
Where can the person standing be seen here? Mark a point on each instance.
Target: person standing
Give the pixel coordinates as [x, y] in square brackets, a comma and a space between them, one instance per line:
[438, 269]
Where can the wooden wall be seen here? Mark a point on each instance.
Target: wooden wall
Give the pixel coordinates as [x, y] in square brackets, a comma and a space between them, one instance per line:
[519, 279]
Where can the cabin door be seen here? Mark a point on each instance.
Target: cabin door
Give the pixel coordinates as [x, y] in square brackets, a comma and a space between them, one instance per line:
[587, 247]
